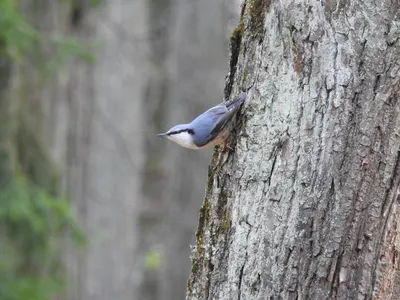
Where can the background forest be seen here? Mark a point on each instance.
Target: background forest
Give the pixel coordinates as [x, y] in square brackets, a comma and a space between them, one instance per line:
[93, 204]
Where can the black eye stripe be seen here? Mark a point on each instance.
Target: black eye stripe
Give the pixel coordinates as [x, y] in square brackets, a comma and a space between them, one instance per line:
[190, 131]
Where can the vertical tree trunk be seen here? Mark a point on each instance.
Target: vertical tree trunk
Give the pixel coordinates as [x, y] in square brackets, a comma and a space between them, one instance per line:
[90, 118]
[188, 41]
[307, 205]
[104, 149]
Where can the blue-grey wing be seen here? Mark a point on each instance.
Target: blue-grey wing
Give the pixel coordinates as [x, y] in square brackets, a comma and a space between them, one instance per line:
[231, 110]
[204, 124]
[209, 124]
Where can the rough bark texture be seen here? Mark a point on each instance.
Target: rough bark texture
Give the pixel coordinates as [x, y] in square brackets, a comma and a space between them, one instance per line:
[307, 205]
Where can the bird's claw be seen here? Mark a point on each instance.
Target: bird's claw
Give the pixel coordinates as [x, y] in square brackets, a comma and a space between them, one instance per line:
[226, 146]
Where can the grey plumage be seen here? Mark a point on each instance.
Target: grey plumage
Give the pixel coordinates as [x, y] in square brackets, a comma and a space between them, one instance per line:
[212, 122]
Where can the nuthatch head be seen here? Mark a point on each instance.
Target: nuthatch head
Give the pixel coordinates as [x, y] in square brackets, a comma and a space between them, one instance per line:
[208, 129]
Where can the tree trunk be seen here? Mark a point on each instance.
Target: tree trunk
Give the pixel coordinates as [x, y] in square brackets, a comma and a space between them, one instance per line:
[91, 122]
[188, 43]
[104, 150]
[306, 207]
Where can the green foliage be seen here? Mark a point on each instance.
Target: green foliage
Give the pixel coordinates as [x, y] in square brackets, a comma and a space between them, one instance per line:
[29, 288]
[33, 225]
[17, 37]
[21, 42]
[95, 2]
[35, 222]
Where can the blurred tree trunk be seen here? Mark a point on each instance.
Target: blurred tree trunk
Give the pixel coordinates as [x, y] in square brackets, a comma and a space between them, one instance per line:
[307, 206]
[91, 114]
[189, 42]
[105, 152]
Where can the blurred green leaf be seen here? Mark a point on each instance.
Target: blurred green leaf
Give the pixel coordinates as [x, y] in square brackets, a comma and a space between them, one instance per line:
[153, 260]
[34, 221]
[29, 288]
[20, 42]
[33, 224]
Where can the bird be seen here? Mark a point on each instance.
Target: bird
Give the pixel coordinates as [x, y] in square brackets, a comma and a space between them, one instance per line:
[209, 129]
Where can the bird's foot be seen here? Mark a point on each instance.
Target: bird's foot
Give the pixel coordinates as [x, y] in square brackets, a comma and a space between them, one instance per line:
[227, 145]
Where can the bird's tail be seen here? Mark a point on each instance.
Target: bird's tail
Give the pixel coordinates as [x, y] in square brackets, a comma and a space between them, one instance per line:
[235, 104]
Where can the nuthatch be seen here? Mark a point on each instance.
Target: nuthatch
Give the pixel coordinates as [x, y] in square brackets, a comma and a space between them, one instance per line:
[208, 129]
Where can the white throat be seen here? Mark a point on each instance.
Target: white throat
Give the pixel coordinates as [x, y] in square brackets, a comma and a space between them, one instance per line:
[184, 139]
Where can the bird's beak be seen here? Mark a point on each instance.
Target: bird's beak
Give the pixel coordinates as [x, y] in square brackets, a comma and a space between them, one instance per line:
[162, 134]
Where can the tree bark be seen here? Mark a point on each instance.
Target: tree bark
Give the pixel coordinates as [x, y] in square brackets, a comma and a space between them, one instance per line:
[307, 205]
